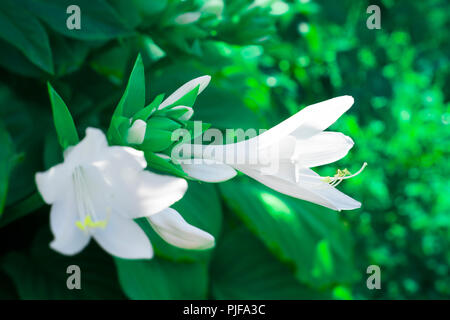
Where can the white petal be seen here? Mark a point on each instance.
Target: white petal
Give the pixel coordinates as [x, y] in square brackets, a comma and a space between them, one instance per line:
[51, 182]
[187, 115]
[208, 171]
[310, 189]
[187, 87]
[322, 148]
[123, 238]
[125, 157]
[309, 179]
[156, 192]
[171, 226]
[136, 133]
[69, 239]
[89, 149]
[309, 121]
[132, 191]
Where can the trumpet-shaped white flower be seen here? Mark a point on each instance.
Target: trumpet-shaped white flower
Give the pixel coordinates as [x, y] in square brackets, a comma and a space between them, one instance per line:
[97, 192]
[281, 157]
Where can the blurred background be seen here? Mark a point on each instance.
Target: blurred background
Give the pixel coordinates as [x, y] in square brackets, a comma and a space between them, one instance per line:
[268, 60]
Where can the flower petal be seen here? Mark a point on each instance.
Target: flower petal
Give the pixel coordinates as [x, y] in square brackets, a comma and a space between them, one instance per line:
[171, 226]
[187, 87]
[52, 182]
[123, 238]
[322, 148]
[187, 115]
[69, 239]
[310, 189]
[208, 170]
[309, 121]
[89, 149]
[136, 133]
[156, 192]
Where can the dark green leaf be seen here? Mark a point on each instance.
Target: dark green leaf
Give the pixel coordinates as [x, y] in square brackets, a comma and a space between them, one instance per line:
[159, 279]
[65, 127]
[99, 21]
[309, 237]
[42, 274]
[243, 268]
[7, 159]
[25, 32]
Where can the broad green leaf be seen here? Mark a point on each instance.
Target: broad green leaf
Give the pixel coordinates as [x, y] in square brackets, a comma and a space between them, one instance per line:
[22, 30]
[160, 279]
[42, 274]
[99, 21]
[7, 160]
[65, 127]
[243, 268]
[200, 207]
[309, 237]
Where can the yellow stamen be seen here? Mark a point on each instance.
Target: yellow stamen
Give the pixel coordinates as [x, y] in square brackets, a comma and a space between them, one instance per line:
[88, 223]
[341, 175]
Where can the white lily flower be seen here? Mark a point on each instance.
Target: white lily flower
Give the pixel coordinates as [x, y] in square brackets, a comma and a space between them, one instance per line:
[97, 192]
[281, 157]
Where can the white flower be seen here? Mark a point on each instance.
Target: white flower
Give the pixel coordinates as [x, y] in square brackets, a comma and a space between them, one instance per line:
[281, 157]
[97, 192]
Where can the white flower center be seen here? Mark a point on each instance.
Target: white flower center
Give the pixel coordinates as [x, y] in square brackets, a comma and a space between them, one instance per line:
[85, 207]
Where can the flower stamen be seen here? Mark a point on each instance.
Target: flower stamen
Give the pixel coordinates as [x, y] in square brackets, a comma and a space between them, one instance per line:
[342, 175]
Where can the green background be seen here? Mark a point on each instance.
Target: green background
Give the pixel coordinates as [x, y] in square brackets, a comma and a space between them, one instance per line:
[267, 59]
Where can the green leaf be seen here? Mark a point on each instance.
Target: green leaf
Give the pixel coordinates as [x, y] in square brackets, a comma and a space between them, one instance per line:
[155, 162]
[156, 140]
[21, 29]
[7, 159]
[118, 130]
[99, 21]
[242, 268]
[133, 99]
[309, 237]
[42, 273]
[162, 123]
[65, 127]
[187, 100]
[148, 110]
[160, 279]
[136, 90]
[192, 207]
[21, 209]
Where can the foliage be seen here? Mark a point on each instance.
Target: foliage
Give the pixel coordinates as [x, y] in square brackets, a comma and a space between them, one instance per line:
[268, 59]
